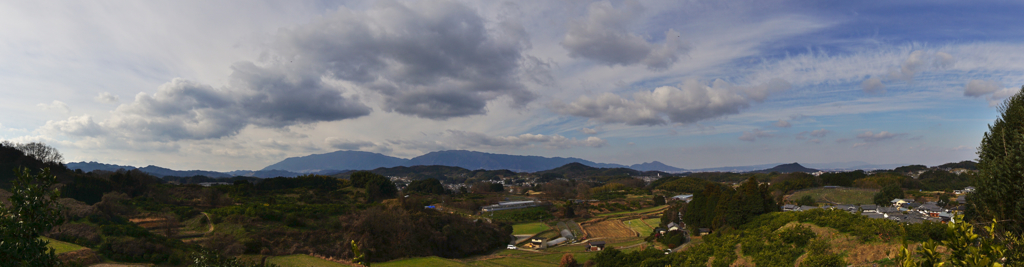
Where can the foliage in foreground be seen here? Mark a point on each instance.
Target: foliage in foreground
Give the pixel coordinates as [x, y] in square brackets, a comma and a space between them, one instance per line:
[34, 210]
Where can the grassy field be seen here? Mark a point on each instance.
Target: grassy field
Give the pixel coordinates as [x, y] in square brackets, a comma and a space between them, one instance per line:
[639, 226]
[424, 261]
[634, 211]
[529, 228]
[60, 246]
[838, 195]
[653, 222]
[300, 260]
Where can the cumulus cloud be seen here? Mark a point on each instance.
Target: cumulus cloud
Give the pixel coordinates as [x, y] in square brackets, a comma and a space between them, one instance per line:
[588, 130]
[692, 101]
[751, 136]
[106, 97]
[56, 106]
[782, 124]
[992, 91]
[873, 85]
[76, 125]
[820, 133]
[430, 59]
[603, 36]
[977, 88]
[475, 139]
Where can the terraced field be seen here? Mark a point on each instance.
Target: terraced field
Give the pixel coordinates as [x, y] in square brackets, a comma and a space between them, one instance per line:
[608, 229]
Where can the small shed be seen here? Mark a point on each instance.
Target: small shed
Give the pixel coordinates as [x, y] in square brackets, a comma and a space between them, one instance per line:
[704, 231]
[595, 246]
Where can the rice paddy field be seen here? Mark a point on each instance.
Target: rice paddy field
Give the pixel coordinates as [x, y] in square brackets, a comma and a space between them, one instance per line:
[838, 195]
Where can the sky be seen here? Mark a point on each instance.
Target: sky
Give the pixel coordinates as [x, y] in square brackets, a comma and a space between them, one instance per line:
[224, 85]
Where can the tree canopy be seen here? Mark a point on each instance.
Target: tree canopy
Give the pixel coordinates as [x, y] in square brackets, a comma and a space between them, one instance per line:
[1001, 170]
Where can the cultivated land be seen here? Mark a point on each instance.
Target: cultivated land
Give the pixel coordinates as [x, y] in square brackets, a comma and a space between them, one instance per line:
[62, 247]
[608, 229]
[529, 228]
[302, 261]
[838, 195]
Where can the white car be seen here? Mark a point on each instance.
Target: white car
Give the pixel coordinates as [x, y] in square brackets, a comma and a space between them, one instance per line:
[512, 247]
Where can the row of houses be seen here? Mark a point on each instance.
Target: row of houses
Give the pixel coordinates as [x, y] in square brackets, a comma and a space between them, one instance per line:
[901, 211]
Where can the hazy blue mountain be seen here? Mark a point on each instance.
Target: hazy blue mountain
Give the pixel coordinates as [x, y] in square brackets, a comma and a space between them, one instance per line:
[851, 165]
[473, 160]
[92, 166]
[161, 172]
[737, 168]
[655, 166]
[264, 174]
[338, 160]
[788, 168]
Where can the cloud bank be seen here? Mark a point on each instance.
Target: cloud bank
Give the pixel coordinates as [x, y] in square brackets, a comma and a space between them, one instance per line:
[690, 102]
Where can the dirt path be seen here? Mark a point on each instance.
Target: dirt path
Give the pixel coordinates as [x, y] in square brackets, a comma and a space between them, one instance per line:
[208, 219]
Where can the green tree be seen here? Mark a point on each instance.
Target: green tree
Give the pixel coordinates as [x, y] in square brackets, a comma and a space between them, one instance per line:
[806, 200]
[659, 200]
[34, 210]
[380, 188]
[888, 193]
[1001, 172]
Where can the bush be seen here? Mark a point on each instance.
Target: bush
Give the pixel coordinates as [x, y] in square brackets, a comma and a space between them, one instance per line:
[798, 235]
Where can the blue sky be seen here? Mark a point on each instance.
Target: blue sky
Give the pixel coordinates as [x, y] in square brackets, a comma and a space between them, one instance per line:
[220, 86]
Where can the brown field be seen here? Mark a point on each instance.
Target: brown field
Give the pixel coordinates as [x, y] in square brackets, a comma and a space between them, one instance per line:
[608, 229]
[149, 223]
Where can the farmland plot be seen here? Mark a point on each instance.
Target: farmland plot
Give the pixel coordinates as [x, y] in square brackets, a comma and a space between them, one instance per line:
[608, 229]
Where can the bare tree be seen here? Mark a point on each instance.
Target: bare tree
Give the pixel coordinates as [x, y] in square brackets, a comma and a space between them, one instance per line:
[39, 151]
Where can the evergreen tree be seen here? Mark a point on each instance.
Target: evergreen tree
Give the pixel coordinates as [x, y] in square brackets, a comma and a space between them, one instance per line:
[34, 210]
[888, 193]
[1000, 183]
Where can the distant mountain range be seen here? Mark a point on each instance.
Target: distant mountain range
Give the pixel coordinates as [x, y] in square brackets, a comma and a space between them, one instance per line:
[344, 161]
[470, 160]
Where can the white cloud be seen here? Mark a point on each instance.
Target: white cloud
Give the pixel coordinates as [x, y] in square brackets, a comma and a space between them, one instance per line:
[873, 85]
[751, 136]
[977, 88]
[691, 102]
[588, 130]
[820, 133]
[603, 36]
[106, 97]
[782, 124]
[870, 137]
[56, 105]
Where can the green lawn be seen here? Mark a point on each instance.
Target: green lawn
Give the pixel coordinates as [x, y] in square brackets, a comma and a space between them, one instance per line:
[529, 228]
[838, 195]
[61, 246]
[633, 211]
[639, 226]
[424, 261]
[301, 260]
